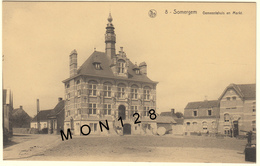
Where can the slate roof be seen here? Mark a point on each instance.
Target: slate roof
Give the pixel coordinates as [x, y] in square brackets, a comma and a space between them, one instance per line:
[245, 91]
[202, 104]
[42, 115]
[87, 68]
[57, 109]
[19, 111]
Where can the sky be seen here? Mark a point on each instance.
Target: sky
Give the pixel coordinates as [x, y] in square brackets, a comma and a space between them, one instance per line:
[193, 57]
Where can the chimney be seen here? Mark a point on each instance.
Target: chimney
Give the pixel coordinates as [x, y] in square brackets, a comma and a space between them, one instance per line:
[173, 111]
[59, 99]
[143, 68]
[21, 107]
[73, 63]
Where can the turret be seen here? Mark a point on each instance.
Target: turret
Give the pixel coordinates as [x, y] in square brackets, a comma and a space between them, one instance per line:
[143, 68]
[110, 38]
[73, 63]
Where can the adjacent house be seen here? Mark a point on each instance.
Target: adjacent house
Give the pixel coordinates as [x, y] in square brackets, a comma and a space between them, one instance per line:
[20, 118]
[7, 114]
[56, 118]
[238, 109]
[201, 116]
[42, 119]
[233, 114]
[108, 86]
[170, 122]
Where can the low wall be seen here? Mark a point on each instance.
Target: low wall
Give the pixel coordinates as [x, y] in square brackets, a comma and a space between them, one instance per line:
[25, 131]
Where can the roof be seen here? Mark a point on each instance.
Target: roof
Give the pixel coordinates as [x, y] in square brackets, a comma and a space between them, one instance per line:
[42, 115]
[245, 91]
[179, 120]
[165, 119]
[19, 111]
[57, 109]
[202, 104]
[87, 68]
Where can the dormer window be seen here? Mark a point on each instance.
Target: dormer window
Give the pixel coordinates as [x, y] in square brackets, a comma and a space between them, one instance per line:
[97, 65]
[121, 66]
[137, 71]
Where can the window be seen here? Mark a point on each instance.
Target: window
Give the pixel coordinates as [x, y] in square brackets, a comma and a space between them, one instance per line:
[68, 96]
[92, 89]
[93, 126]
[228, 98]
[188, 123]
[254, 125]
[97, 66]
[78, 112]
[226, 117]
[68, 113]
[195, 113]
[205, 125]
[107, 109]
[92, 109]
[209, 112]
[134, 92]
[68, 85]
[121, 66]
[227, 131]
[253, 110]
[214, 124]
[137, 71]
[146, 111]
[85, 99]
[107, 90]
[146, 93]
[121, 91]
[134, 109]
[234, 98]
[79, 92]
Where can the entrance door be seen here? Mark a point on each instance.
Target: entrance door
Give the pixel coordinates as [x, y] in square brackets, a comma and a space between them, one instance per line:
[127, 129]
[236, 131]
[121, 112]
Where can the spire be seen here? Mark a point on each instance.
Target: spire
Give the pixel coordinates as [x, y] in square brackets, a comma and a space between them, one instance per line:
[109, 19]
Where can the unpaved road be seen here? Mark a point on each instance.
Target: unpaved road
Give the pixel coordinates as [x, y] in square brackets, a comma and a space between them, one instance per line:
[146, 148]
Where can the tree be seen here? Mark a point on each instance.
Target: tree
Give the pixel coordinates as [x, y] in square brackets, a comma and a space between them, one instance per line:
[179, 114]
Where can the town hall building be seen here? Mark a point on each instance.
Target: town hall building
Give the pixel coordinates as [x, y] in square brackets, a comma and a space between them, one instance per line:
[108, 86]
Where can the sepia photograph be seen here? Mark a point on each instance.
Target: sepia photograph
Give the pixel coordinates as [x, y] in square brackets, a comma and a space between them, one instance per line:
[169, 82]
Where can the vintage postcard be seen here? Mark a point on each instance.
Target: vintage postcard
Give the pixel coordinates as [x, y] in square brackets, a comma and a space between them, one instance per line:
[171, 82]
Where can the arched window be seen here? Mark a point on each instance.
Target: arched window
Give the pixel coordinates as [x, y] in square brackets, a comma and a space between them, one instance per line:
[121, 66]
[107, 90]
[92, 88]
[146, 93]
[205, 125]
[121, 91]
[68, 85]
[226, 117]
[134, 93]
[214, 124]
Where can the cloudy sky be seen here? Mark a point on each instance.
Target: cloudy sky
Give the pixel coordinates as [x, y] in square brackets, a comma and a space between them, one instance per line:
[191, 56]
